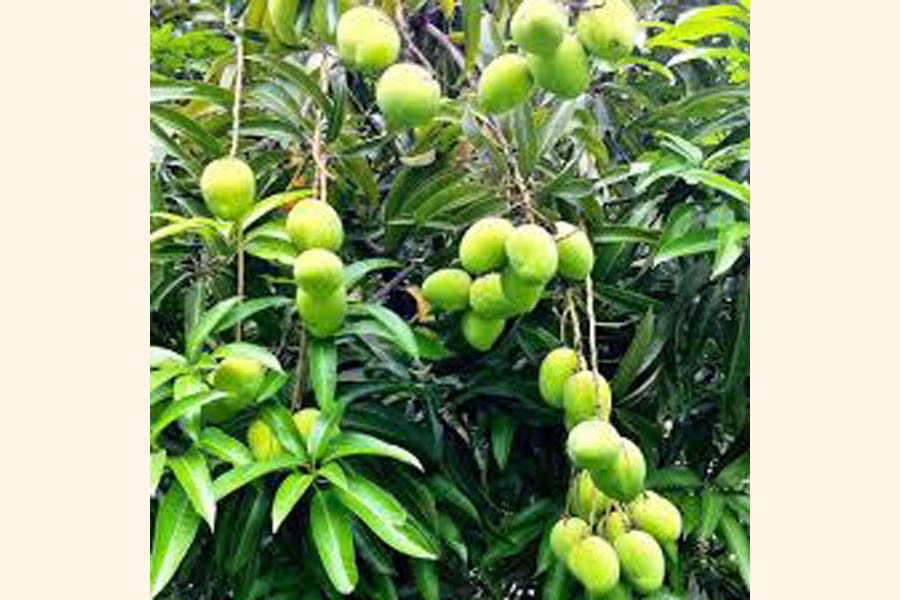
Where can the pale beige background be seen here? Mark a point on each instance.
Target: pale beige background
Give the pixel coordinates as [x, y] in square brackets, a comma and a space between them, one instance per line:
[74, 300]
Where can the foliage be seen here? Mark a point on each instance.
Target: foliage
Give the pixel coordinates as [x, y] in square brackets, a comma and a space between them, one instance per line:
[426, 448]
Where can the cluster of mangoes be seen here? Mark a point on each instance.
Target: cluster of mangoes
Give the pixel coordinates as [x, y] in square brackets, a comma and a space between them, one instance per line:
[512, 266]
[368, 41]
[552, 55]
[317, 232]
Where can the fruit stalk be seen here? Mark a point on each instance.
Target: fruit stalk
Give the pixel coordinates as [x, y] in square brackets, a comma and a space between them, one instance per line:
[299, 370]
[238, 84]
[592, 321]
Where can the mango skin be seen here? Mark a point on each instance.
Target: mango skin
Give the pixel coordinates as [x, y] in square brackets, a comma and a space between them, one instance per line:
[447, 289]
[565, 534]
[609, 31]
[367, 39]
[482, 246]
[576, 253]
[522, 295]
[408, 95]
[586, 395]
[305, 421]
[656, 515]
[323, 316]
[241, 377]
[228, 186]
[481, 332]
[556, 368]
[564, 72]
[615, 524]
[532, 253]
[318, 271]
[588, 501]
[641, 560]
[487, 299]
[314, 224]
[538, 26]
[625, 478]
[504, 84]
[594, 563]
[593, 444]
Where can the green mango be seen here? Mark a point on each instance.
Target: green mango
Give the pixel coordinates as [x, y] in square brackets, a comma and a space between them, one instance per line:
[482, 246]
[532, 253]
[318, 271]
[504, 84]
[566, 533]
[323, 316]
[522, 295]
[656, 515]
[481, 332]
[586, 395]
[609, 30]
[594, 563]
[408, 95]
[615, 524]
[593, 444]
[314, 224]
[447, 289]
[625, 478]
[538, 26]
[367, 39]
[642, 560]
[565, 71]
[556, 368]
[576, 253]
[588, 502]
[228, 187]
[487, 299]
[263, 443]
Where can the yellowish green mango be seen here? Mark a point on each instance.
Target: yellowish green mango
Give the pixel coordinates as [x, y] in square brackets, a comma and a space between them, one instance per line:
[566, 533]
[481, 332]
[263, 443]
[586, 395]
[556, 368]
[625, 478]
[228, 187]
[532, 253]
[367, 39]
[593, 444]
[505, 83]
[615, 524]
[656, 515]
[594, 563]
[482, 246]
[323, 316]
[538, 26]
[241, 377]
[447, 289]
[408, 95]
[565, 71]
[314, 224]
[522, 295]
[318, 271]
[487, 299]
[576, 253]
[305, 421]
[641, 560]
[609, 30]
[588, 502]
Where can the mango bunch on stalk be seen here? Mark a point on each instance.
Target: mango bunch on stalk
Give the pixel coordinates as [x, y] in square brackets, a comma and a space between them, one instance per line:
[505, 270]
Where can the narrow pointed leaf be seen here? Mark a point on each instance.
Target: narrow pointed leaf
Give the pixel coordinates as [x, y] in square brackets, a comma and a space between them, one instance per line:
[206, 324]
[173, 533]
[216, 442]
[354, 444]
[333, 538]
[739, 542]
[400, 329]
[157, 465]
[192, 473]
[629, 367]
[181, 407]
[323, 371]
[238, 477]
[289, 493]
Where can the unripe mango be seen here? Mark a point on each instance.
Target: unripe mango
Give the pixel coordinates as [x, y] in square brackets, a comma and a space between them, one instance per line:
[408, 95]
[482, 246]
[367, 39]
[656, 515]
[641, 560]
[576, 253]
[228, 187]
[565, 71]
[447, 289]
[319, 272]
[532, 253]
[263, 443]
[615, 524]
[586, 394]
[538, 26]
[305, 421]
[556, 368]
[593, 444]
[608, 31]
[625, 478]
[241, 377]
[566, 533]
[314, 224]
[481, 332]
[505, 83]
[522, 295]
[323, 316]
[589, 501]
[487, 299]
[594, 563]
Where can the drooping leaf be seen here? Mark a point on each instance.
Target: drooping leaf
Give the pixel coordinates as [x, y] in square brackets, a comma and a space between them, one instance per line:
[739, 542]
[333, 538]
[173, 533]
[400, 329]
[354, 444]
[216, 442]
[179, 408]
[192, 473]
[629, 366]
[207, 323]
[289, 493]
[157, 465]
[240, 476]
[323, 370]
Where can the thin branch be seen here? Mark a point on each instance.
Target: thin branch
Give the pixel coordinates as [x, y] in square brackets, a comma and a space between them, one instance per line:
[407, 37]
[444, 41]
[238, 85]
[300, 371]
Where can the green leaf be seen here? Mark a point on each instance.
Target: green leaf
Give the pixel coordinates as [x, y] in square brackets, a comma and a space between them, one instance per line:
[334, 474]
[205, 325]
[174, 531]
[190, 129]
[680, 146]
[629, 366]
[168, 372]
[252, 351]
[739, 542]
[445, 491]
[613, 234]
[323, 363]
[730, 247]
[712, 506]
[239, 476]
[289, 493]
[192, 473]
[160, 356]
[157, 464]
[333, 539]
[694, 242]
[196, 224]
[216, 442]
[503, 429]
[673, 478]
[166, 90]
[471, 20]
[400, 329]
[177, 409]
[736, 472]
[296, 76]
[281, 422]
[355, 444]
[717, 181]
[249, 531]
[267, 205]
[426, 577]
[355, 272]
[248, 308]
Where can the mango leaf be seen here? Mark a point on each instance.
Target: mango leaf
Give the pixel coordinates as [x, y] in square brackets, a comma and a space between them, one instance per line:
[730, 247]
[502, 431]
[179, 408]
[295, 75]
[323, 371]
[249, 531]
[735, 472]
[712, 506]
[717, 181]
[166, 90]
[160, 356]
[252, 351]
[629, 366]
[206, 324]
[612, 234]
[739, 542]
[355, 272]
[239, 476]
[267, 205]
[216, 442]
[447, 492]
[673, 478]
[694, 242]
[333, 539]
[195, 224]
[334, 474]
[190, 129]
[173, 533]
[281, 422]
[400, 329]
[355, 444]
[248, 308]
[289, 493]
[157, 465]
[680, 146]
[426, 577]
[471, 19]
[192, 473]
